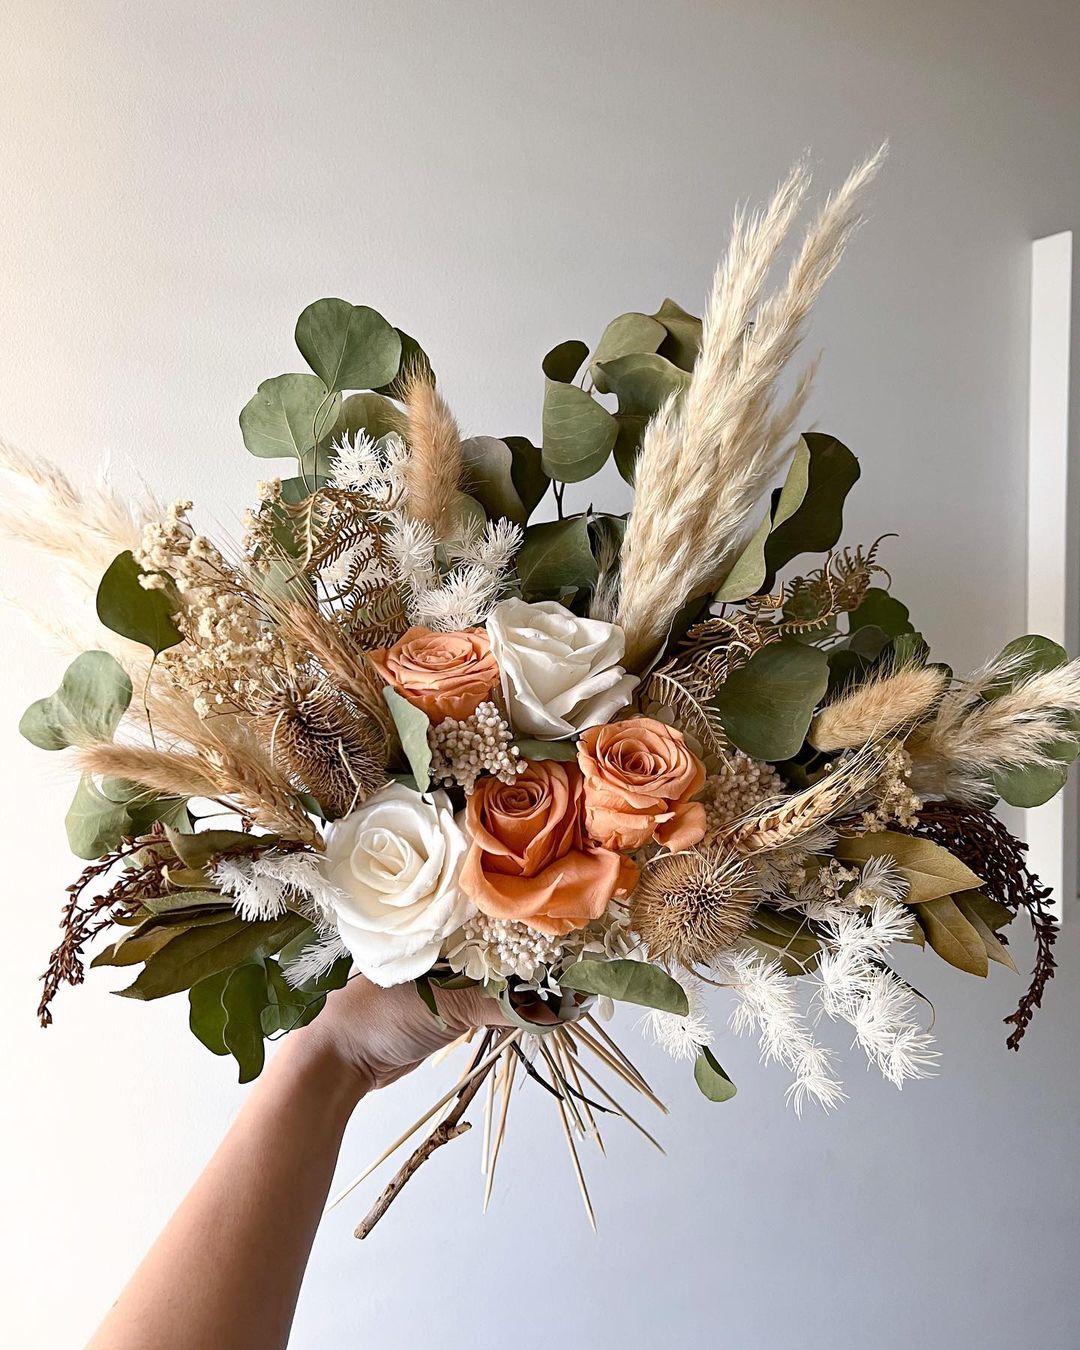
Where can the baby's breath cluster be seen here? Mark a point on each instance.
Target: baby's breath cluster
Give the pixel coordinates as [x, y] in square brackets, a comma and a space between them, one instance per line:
[895, 801]
[463, 750]
[737, 787]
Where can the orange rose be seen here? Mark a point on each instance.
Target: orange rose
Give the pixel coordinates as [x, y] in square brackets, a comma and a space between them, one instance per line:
[639, 778]
[442, 674]
[528, 858]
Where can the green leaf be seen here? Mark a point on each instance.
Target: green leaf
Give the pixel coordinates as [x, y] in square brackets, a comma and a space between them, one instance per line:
[196, 850]
[556, 557]
[412, 728]
[748, 574]
[711, 1078]
[930, 870]
[371, 414]
[642, 381]
[952, 936]
[578, 433]
[527, 470]
[94, 823]
[93, 696]
[626, 335]
[126, 608]
[995, 948]
[532, 749]
[489, 477]
[206, 950]
[683, 341]
[627, 982]
[883, 611]
[286, 1008]
[289, 415]
[1025, 657]
[206, 1012]
[244, 1000]
[564, 361]
[766, 705]
[414, 365]
[348, 346]
[815, 527]
[185, 901]
[1032, 785]
[427, 997]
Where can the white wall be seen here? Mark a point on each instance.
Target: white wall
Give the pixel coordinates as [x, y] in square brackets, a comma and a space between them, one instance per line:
[176, 182]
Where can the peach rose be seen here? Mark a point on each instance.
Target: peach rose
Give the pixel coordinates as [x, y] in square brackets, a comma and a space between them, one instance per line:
[442, 674]
[639, 778]
[529, 859]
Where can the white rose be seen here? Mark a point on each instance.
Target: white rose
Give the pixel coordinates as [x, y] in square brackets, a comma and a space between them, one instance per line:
[559, 673]
[395, 862]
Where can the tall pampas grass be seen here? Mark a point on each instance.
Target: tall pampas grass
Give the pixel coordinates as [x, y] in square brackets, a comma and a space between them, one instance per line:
[957, 753]
[433, 470]
[878, 707]
[708, 456]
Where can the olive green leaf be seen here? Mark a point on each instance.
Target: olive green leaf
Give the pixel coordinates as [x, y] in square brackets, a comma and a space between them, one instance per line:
[1023, 658]
[578, 433]
[206, 950]
[629, 333]
[94, 823]
[244, 999]
[766, 706]
[995, 948]
[881, 610]
[348, 346]
[489, 476]
[564, 361]
[196, 850]
[93, 696]
[532, 749]
[994, 914]
[815, 526]
[711, 1078]
[683, 341]
[556, 557]
[415, 365]
[930, 870]
[953, 938]
[125, 607]
[642, 381]
[370, 414]
[748, 573]
[171, 902]
[412, 728]
[147, 939]
[627, 982]
[206, 1012]
[286, 1008]
[527, 471]
[289, 415]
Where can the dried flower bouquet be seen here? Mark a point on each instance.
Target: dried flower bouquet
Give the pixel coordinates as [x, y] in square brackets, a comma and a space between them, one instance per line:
[594, 759]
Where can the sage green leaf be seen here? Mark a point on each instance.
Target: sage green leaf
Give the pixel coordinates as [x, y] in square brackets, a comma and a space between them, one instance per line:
[427, 997]
[94, 824]
[1023, 658]
[910, 649]
[412, 728]
[348, 346]
[930, 870]
[995, 948]
[1030, 785]
[883, 611]
[628, 437]
[952, 936]
[627, 982]
[206, 950]
[563, 362]
[489, 477]
[527, 470]
[125, 607]
[626, 335]
[578, 433]
[93, 696]
[244, 1000]
[196, 850]
[711, 1078]
[414, 365]
[815, 527]
[206, 1012]
[370, 414]
[683, 341]
[532, 749]
[286, 1008]
[556, 556]
[641, 382]
[289, 415]
[748, 574]
[766, 706]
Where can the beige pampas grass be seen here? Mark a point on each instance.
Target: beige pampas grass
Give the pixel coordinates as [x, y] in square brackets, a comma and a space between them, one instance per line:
[708, 457]
[690, 906]
[433, 470]
[957, 753]
[878, 707]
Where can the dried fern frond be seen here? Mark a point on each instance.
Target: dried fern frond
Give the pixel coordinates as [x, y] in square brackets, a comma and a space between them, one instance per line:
[707, 457]
[689, 698]
[957, 753]
[688, 907]
[875, 709]
[434, 468]
[838, 586]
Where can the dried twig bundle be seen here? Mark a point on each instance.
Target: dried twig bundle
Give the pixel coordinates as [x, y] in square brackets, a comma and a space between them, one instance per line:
[874, 709]
[433, 470]
[690, 906]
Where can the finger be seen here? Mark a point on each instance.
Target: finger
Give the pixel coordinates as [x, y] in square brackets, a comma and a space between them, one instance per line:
[470, 1008]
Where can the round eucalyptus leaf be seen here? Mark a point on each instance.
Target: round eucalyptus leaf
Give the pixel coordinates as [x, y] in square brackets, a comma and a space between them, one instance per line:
[578, 433]
[414, 365]
[641, 381]
[289, 415]
[127, 608]
[711, 1078]
[527, 471]
[683, 340]
[766, 705]
[815, 526]
[556, 556]
[348, 346]
[629, 333]
[489, 477]
[93, 696]
[564, 361]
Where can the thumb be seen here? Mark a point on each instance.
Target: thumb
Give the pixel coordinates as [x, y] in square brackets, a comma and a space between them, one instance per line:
[464, 1008]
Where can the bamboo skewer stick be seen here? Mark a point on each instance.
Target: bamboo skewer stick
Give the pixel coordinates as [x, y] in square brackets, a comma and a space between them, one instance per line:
[635, 1081]
[618, 1106]
[625, 1060]
[508, 1071]
[568, 1065]
[447, 1050]
[489, 1102]
[578, 1173]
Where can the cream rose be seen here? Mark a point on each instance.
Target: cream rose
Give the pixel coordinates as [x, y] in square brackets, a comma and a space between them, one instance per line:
[559, 673]
[395, 862]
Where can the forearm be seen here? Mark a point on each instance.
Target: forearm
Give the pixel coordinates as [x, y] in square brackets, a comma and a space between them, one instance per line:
[227, 1269]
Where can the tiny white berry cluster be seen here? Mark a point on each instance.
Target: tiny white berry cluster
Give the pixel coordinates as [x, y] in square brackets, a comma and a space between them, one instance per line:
[737, 787]
[463, 750]
[504, 947]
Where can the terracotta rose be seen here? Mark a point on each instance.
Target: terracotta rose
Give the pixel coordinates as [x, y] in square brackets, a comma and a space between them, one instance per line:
[529, 858]
[639, 778]
[442, 674]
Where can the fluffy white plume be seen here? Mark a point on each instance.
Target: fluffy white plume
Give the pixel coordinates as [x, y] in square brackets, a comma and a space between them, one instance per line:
[681, 1037]
[265, 886]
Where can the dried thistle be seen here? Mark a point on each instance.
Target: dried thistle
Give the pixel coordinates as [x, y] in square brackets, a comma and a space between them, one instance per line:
[880, 706]
[434, 468]
[690, 906]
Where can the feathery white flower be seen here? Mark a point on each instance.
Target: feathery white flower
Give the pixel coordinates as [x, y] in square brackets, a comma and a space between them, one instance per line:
[263, 887]
[315, 960]
[681, 1037]
[885, 1028]
[463, 600]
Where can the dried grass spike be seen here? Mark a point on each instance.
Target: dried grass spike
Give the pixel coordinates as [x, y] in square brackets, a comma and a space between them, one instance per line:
[433, 471]
[874, 709]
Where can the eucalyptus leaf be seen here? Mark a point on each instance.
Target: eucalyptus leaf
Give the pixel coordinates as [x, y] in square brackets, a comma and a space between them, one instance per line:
[348, 346]
[414, 365]
[533, 749]
[94, 824]
[626, 335]
[641, 381]
[412, 728]
[206, 1012]
[564, 361]
[711, 1078]
[952, 936]
[125, 607]
[527, 470]
[766, 705]
[556, 556]
[815, 527]
[244, 1000]
[683, 341]
[489, 477]
[372, 415]
[627, 982]
[289, 415]
[578, 433]
[93, 696]
[930, 870]
[748, 574]
[883, 611]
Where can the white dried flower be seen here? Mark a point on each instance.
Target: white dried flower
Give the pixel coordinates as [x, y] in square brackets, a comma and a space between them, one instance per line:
[681, 1037]
[463, 750]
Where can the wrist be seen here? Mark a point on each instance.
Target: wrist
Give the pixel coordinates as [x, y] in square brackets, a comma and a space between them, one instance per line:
[313, 1058]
